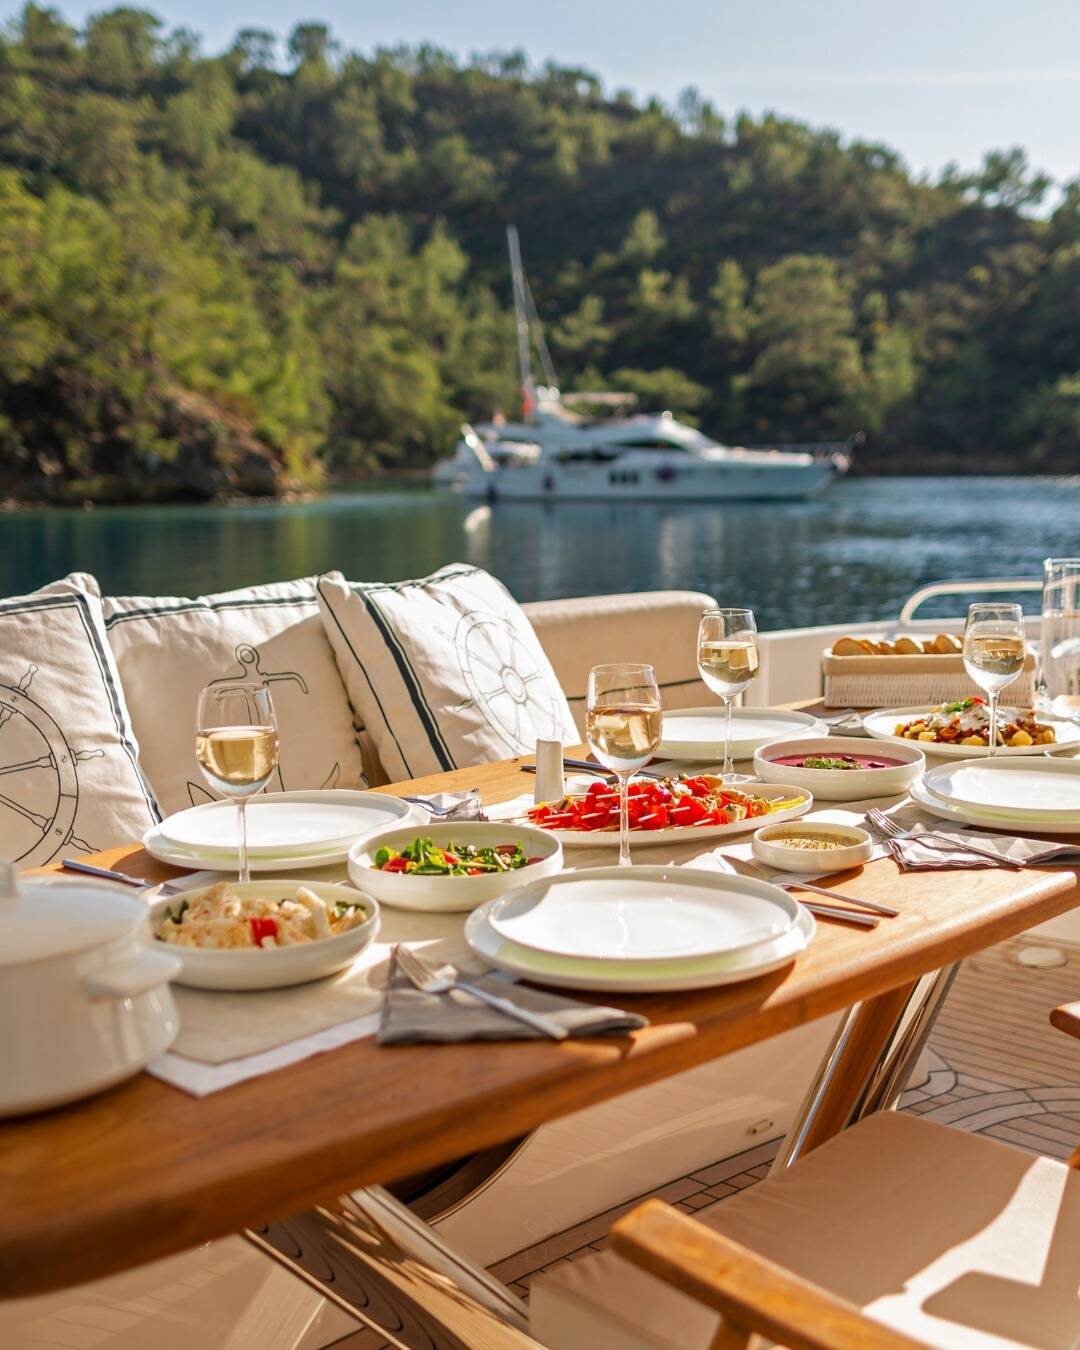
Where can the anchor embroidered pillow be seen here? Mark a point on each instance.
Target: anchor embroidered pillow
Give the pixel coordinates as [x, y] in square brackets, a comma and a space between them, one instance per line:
[69, 763]
[167, 649]
[444, 672]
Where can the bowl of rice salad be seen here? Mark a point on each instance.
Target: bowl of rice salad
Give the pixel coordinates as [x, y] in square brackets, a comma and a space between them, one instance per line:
[265, 934]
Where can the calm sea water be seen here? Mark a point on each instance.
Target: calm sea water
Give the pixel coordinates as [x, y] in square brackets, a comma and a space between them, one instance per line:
[855, 554]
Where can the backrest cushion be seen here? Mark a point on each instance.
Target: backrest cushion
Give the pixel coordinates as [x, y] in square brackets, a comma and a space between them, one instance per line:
[443, 672]
[70, 781]
[167, 649]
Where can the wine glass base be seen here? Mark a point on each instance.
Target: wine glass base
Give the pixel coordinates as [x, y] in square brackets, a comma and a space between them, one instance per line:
[739, 778]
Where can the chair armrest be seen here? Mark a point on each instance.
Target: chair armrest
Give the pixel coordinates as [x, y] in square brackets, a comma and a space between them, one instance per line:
[754, 1295]
[1067, 1019]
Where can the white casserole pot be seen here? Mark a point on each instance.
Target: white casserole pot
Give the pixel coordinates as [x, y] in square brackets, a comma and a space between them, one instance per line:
[84, 996]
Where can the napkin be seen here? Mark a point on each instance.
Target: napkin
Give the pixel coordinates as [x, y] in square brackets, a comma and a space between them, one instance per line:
[914, 856]
[410, 1016]
[452, 806]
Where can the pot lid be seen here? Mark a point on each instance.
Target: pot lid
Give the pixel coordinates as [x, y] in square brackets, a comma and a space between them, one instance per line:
[44, 919]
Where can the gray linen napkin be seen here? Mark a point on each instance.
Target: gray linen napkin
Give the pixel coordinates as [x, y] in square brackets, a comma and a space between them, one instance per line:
[409, 1016]
[451, 806]
[916, 857]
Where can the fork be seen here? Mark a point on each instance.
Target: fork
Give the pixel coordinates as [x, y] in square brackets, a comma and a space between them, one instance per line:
[434, 810]
[109, 874]
[442, 981]
[889, 828]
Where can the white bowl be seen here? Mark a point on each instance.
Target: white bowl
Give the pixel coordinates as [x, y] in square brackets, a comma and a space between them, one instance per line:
[275, 967]
[452, 894]
[770, 849]
[842, 785]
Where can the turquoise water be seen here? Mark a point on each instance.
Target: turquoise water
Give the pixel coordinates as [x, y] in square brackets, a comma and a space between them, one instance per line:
[855, 554]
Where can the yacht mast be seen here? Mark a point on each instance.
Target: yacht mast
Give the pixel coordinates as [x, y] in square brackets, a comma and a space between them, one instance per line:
[529, 329]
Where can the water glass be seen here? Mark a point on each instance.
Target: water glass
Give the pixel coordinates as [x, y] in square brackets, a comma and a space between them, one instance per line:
[236, 745]
[622, 726]
[1060, 638]
[994, 652]
[727, 661]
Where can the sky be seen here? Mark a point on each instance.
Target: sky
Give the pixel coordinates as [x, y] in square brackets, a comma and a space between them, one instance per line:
[937, 80]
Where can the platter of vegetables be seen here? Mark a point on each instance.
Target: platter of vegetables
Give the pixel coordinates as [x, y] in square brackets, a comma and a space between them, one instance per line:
[425, 858]
[668, 810]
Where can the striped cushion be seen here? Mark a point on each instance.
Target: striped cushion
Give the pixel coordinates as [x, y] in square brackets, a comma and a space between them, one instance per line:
[70, 781]
[443, 672]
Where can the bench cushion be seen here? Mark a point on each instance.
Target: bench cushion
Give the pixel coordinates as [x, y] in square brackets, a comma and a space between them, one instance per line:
[443, 672]
[168, 648]
[959, 1241]
[70, 781]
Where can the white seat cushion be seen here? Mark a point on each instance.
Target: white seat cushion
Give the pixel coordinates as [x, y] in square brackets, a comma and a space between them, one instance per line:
[168, 648]
[69, 764]
[443, 672]
[959, 1241]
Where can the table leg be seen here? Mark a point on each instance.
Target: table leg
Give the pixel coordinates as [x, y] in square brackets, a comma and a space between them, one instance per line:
[871, 1056]
[374, 1258]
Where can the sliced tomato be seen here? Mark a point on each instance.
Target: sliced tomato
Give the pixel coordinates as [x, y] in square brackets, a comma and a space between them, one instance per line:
[655, 820]
[263, 928]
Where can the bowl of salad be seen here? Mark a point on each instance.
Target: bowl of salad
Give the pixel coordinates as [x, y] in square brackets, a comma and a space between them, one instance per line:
[452, 867]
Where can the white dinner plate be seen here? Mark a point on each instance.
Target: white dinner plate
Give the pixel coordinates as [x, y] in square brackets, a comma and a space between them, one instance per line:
[882, 724]
[698, 733]
[641, 914]
[165, 852]
[286, 822]
[973, 815]
[638, 977]
[674, 834]
[1023, 789]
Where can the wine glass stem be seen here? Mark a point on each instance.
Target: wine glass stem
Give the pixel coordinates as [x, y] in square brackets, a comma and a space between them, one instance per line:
[624, 819]
[245, 871]
[728, 771]
[993, 721]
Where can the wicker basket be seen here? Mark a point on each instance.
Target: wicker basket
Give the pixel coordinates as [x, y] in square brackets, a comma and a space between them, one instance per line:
[911, 681]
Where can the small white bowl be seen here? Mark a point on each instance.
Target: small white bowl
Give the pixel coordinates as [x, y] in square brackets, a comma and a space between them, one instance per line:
[275, 967]
[842, 785]
[437, 894]
[770, 849]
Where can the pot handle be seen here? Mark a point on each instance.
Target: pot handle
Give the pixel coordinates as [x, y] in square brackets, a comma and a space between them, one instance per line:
[135, 975]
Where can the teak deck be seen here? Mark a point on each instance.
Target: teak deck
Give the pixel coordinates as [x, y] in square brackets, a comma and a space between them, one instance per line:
[145, 1170]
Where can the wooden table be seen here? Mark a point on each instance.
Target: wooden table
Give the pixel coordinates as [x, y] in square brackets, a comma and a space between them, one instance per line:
[145, 1170]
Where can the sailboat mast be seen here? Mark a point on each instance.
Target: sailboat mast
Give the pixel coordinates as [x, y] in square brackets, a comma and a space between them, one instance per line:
[521, 317]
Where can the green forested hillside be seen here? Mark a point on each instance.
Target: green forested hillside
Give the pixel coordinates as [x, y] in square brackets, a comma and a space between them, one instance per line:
[228, 272]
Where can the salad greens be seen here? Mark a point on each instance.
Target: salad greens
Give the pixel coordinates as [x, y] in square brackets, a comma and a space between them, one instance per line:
[830, 762]
[424, 858]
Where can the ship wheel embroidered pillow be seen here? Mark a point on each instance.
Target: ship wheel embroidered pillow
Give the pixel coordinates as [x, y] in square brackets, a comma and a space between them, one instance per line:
[69, 764]
[444, 672]
[167, 649]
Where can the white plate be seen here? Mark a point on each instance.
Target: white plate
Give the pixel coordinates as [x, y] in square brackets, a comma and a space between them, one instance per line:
[251, 968]
[842, 785]
[640, 914]
[1024, 789]
[286, 822]
[971, 815]
[677, 834]
[698, 733]
[880, 725]
[165, 852]
[638, 977]
[452, 895]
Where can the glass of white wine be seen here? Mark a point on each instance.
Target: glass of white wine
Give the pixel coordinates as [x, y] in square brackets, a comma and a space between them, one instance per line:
[994, 652]
[622, 726]
[727, 660]
[236, 744]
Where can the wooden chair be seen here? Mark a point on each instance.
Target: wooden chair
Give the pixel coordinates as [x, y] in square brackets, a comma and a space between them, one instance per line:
[898, 1233]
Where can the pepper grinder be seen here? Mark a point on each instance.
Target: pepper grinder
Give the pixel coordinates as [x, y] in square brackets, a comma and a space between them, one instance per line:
[549, 785]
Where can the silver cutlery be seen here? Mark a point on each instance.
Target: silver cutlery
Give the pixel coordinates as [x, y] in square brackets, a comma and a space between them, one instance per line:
[935, 838]
[859, 918]
[584, 766]
[108, 874]
[442, 981]
[872, 905]
[434, 810]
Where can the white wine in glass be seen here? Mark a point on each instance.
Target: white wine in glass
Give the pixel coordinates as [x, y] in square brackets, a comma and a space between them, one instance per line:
[727, 661]
[994, 653]
[622, 726]
[236, 745]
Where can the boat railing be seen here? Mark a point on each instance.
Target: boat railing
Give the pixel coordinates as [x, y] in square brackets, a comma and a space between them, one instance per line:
[981, 586]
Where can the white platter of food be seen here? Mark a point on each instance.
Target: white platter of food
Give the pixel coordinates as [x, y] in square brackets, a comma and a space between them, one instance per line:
[960, 730]
[697, 734]
[265, 934]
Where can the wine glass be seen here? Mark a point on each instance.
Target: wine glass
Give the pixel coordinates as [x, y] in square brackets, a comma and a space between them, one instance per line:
[727, 660]
[994, 652]
[236, 744]
[622, 726]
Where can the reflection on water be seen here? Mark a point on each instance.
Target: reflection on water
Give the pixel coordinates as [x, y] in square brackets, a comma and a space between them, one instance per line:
[854, 554]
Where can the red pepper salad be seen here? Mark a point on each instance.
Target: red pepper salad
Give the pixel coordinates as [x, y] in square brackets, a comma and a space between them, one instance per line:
[655, 804]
